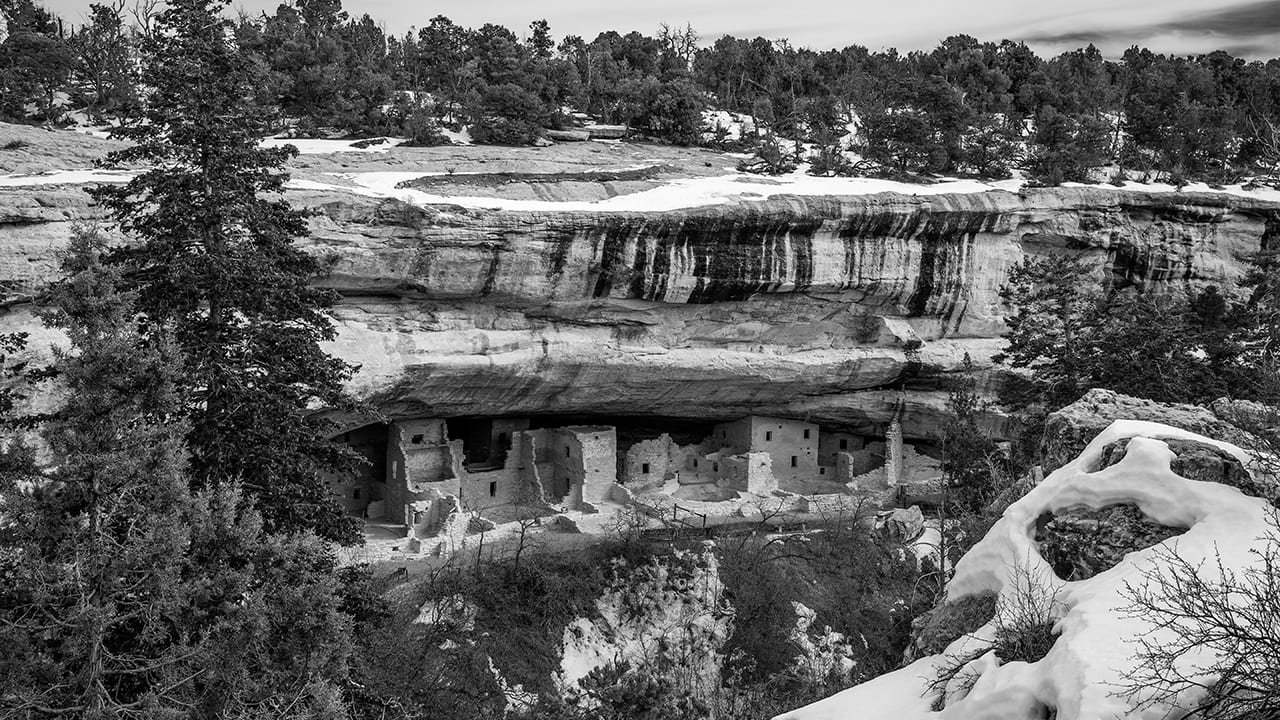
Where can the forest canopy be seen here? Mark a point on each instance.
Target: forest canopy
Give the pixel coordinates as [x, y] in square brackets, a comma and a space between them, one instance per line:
[967, 107]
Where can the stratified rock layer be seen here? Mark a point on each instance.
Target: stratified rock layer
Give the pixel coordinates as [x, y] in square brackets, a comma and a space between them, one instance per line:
[840, 310]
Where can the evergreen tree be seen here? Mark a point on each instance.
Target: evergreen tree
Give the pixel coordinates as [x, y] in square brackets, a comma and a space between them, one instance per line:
[1063, 149]
[214, 264]
[972, 461]
[1054, 305]
[989, 149]
[104, 63]
[540, 41]
[94, 549]
[668, 110]
[507, 115]
[35, 60]
[125, 594]
[902, 142]
[10, 343]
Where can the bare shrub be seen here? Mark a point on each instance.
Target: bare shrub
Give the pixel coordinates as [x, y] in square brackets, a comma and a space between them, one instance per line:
[1219, 655]
[1023, 632]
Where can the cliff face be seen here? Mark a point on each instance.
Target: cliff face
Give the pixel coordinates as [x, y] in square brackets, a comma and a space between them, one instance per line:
[816, 307]
[767, 306]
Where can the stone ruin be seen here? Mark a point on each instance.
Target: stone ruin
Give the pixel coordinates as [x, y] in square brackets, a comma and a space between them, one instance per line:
[433, 482]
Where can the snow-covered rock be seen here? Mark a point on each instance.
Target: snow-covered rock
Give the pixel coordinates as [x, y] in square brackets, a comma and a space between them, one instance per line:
[1094, 652]
[733, 125]
[318, 146]
[1069, 430]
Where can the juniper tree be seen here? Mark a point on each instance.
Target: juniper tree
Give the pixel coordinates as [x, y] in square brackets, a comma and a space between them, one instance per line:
[214, 263]
[93, 546]
[123, 594]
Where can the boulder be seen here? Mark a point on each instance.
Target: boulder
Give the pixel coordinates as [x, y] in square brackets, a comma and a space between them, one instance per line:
[607, 132]
[903, 524]
[1204, 462]
[567, 135]
[1070, 429]
[934, 630]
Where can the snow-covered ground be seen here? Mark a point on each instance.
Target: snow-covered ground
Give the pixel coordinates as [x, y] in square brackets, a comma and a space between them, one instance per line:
[673, 195]
[703, 191]
[457, 137]
[735, 125]
[732, 186]
[1094, 654]
[67, 177]
[317, 146]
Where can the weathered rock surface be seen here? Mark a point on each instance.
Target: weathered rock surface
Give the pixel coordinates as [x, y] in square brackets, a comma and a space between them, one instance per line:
[1081, 543]
[34, 149]
[568, 135]
[668, 615]
[840, 310]
[1206, 463]
[935, 629]
[1068, 430]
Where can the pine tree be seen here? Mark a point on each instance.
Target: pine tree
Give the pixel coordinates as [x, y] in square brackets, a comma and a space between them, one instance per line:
[214, 263]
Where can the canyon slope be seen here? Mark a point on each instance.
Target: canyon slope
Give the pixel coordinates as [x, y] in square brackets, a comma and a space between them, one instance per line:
[542, 281]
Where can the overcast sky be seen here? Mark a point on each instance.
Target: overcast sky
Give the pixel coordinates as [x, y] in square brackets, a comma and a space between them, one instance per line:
[1244, 27]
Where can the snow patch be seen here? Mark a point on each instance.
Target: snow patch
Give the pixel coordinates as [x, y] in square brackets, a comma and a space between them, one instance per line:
[735, 125]
[67, 177]
[457, 137]
[319, 146]
[1270, 194]
[673, 195]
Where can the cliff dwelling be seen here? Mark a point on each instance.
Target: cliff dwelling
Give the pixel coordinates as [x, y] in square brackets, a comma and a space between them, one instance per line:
[441, 480]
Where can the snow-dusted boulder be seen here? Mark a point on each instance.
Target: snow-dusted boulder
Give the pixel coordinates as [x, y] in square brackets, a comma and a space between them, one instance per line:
[903, 524]
[1069, 429]
[1094, 650]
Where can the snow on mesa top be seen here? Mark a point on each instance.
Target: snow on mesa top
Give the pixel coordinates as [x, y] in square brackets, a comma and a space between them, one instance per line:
[555, 178]
[1094, 654]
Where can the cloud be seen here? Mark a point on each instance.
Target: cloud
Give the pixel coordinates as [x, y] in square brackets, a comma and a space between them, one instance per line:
[1250, 30]
[1259, 18]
